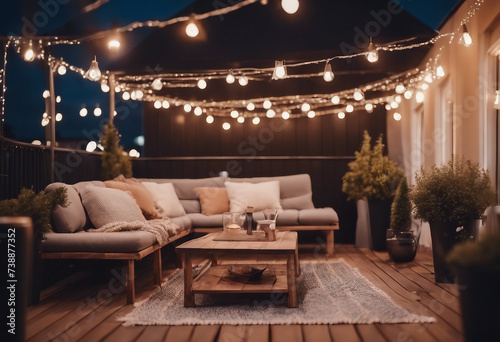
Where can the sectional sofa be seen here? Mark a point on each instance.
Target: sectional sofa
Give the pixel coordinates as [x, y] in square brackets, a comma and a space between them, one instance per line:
[193, 205]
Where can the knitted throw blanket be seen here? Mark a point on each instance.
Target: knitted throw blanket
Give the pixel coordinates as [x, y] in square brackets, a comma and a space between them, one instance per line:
[163, 229]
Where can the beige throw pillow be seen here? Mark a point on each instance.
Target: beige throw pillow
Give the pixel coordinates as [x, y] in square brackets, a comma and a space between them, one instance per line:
[165, 198]
[141, 196]
[213, 200]
[265, 195]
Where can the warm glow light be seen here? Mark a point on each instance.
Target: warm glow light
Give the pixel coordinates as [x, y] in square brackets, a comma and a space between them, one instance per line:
[256, 120]
[187, 107]
[388, 106]
[61, 69]
[192, 30]
[419, 97]
[270, 113]
[428, 77]
[311, 114]
[157, 84]
[372, 55]
[408, 94]
[349, 108]
[45, 115]
[198, 111]
[396, 116]
[104, 87]
[290, 6]
[45, 122]
[209, 119]
[226, 126]
[165, 104]
[91, 146]
[305, 107]
[398, 98]
[497, 99]
[243, 81]
[267, 104]
[369, 107]
[83, 112]
[118, 89]
[29, 54]
[230, 77]
[466, 39]
[285, 115]
[341, 115]
[335, 100]
[202, 84]
[113, 44]
[250, 106]
[234, 114]
[358, 95]
[93, 74]
[97, 111]
[240, 119]
[328, 73]
[400, 89]
[36, 142]
[59, 117]
[157, 104]
[394, 104]
[58, 99]
[134, 153]
[133, 95]
[279, 70]
[439, 72]
[46, 94]
[139, 94]
[424, 86]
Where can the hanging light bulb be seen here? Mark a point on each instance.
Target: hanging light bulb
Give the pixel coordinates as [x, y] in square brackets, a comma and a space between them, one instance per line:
[408, 94]
[91, 146]
[290, 6]
[398, 98]
[267, 104]
[497, 99]
[157, 84]
[202, 84]
[349, 108]
[187, 107]
[243, 81]
[61, 69]
[424, 86]
[114, 44]
[428, 77]
[83, 112]
[157, 104]
[45, 115]
[279, 70]
[58, 99]
[209, 119]
[256, 120]
[118, 89]
[93, 74]
[230, 77]
[133, 95]
[358, 95]
[311, 114]
[104, 87]
[466, 39]
[387, 106]
[165, 104]
[45, 122]
[305, 107]
[400, 89]
[372, 55]
[97, 111]
[29, 54]
[139, 94]
[226, 126]
[45, 94]
[59, 117]
[394, 104]
[240, 119]
[396, 116]
[250, 106]
[335, 100]
[439, 71]
[192, 29]
[328, 73]
[270, 113]
[36, 142]
[419, 97]
[198, 111]
[234, 114]
[126, 95]
[369, 107]
[285, 115]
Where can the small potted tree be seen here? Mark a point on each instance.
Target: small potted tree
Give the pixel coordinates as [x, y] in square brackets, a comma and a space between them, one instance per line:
[114, 161]
[452, 199]
[373, 177]
[402, 243]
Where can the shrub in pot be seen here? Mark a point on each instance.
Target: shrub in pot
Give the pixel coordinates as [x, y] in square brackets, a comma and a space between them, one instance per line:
[450, 197]
[477, 266]
[374, 177]
[401, 241]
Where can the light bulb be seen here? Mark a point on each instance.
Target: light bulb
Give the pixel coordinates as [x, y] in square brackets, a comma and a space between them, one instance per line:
[419, 97]
[250, 106]
[349, 108]
[165, 104]
[97, 111]
[192, 30]
[198, 111]
[424, 86]
[83, 112]
[226, 126]
[398, 98]
[59, 117]
[46, 94]
[45, 122]
[45, 115]
[187, 107]
[58, 99]
[234, 114]
[372, 55]
[270, 113]
[267, 104]
[394, 104]
[396, 116]
[387, 106]
[408, 94]
[133, 153]
[157, 84]
[256, 120]
[369, 107]
[290, 6]
[305, 107]
[497, 99]
[439, 71]
[279, 70]
[61, 69]
[240, 119]
[358, 95]
[29, 53]
[428, 77]
[311, 114]
[243, 81]
[328, 73]
[341, 115]
[335, 100]
[36, 142]
[113, 44]
[400, 89]
[285, 115]
[209, 119]
[93, 74]
[133, 95]
[104, 87]
[202, 84]
[139, 94]
[91, 146]
[118, 89]
[466, 39]
[230, 77]
[157, 104]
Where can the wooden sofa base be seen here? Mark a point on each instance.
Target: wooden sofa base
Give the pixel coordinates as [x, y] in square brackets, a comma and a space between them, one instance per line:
[129, 257]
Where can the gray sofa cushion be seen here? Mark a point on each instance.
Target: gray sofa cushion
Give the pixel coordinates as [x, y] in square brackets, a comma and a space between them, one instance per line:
[191, 206]
[318, 217]
[184, 222]
[113, 242]
[204, 221]
[185, 187]
[71, 218]
[288, 217]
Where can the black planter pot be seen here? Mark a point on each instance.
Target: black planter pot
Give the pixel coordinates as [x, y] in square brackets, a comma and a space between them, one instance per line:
[479, 303]
[380, 220]
[401, 245]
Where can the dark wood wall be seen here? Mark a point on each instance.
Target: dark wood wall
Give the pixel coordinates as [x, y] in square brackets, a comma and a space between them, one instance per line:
[182, 145]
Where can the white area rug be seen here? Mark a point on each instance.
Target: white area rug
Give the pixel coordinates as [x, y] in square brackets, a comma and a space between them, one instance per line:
[329, 293]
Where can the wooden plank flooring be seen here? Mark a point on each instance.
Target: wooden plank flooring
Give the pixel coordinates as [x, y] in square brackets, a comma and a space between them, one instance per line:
[85, 307]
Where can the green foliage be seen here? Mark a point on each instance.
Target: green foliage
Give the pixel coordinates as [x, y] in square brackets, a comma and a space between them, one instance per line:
[114, 161]
[401, 208]
[37, 206]
[372, 175]
[454, 192]
[482, 255]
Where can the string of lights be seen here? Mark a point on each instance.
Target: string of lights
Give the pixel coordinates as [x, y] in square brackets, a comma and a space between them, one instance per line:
[4, 86]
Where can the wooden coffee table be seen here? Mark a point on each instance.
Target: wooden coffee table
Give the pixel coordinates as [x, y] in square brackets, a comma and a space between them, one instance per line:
[216, 279]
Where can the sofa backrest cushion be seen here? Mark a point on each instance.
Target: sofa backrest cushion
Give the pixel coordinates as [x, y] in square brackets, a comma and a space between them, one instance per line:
[141, 195]
[185, 187]
[295, 190]
[166, 200]
[213, 200]
[260, 196]
[71, 218]
[107, 205]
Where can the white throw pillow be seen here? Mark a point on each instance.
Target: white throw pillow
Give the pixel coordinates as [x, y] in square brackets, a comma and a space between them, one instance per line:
[166, 200]
[260, 196]
[107, 205]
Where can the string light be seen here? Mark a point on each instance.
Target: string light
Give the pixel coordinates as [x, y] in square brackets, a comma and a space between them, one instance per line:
[187, 107]
[335, 99]
[45, 122]
[349, 108]
[400, 89]
[58, 99]
[29, 54]
[202, 84]
[267, 104]
[497, 99]
[226, 126]
[46, 94]
[290, 6]
[372, 54]
[419, 97]
[279, 70]
[250, 106]
[369, 107]
[428, 77]
[285, 115]
[311, 114]
[192, 29]
[230, 77]
[157, 84]
[396, 116]
[59, 117]
[97, 111]
[240, 119]
[328, 73]
[358, 95]
[157, 104]
[93, 74]
[270, 113]
[104, 87]
[305, 107]
[408, 94]
[341, 115]
[198, 111]
[256, 120]
[165, 104]
[61, 69]
[234, 114]
[243, 81]
[424, 86]
[91, 146]
[466, 39]
[114, 44]
[440, 72]
[210, 119]
[83, 112]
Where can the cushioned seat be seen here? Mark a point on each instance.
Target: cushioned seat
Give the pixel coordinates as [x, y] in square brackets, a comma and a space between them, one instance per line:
[288, 217]
[184, 222]
[204, 221]
[111, 242]
[318, 216]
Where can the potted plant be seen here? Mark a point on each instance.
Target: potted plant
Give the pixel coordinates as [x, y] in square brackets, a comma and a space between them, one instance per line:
[451, 198]
[402, 243]
[114, 161]
[373, 177]
[477, 266]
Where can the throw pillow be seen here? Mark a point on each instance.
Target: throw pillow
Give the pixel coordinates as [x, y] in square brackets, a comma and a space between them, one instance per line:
[213, 200]
[71, 218]
[165, 198]
[107, 205]
[121, 178]
[265, 195]
[141, 196]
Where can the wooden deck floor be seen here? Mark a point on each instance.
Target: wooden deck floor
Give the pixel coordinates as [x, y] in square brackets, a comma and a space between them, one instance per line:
[84, 307]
